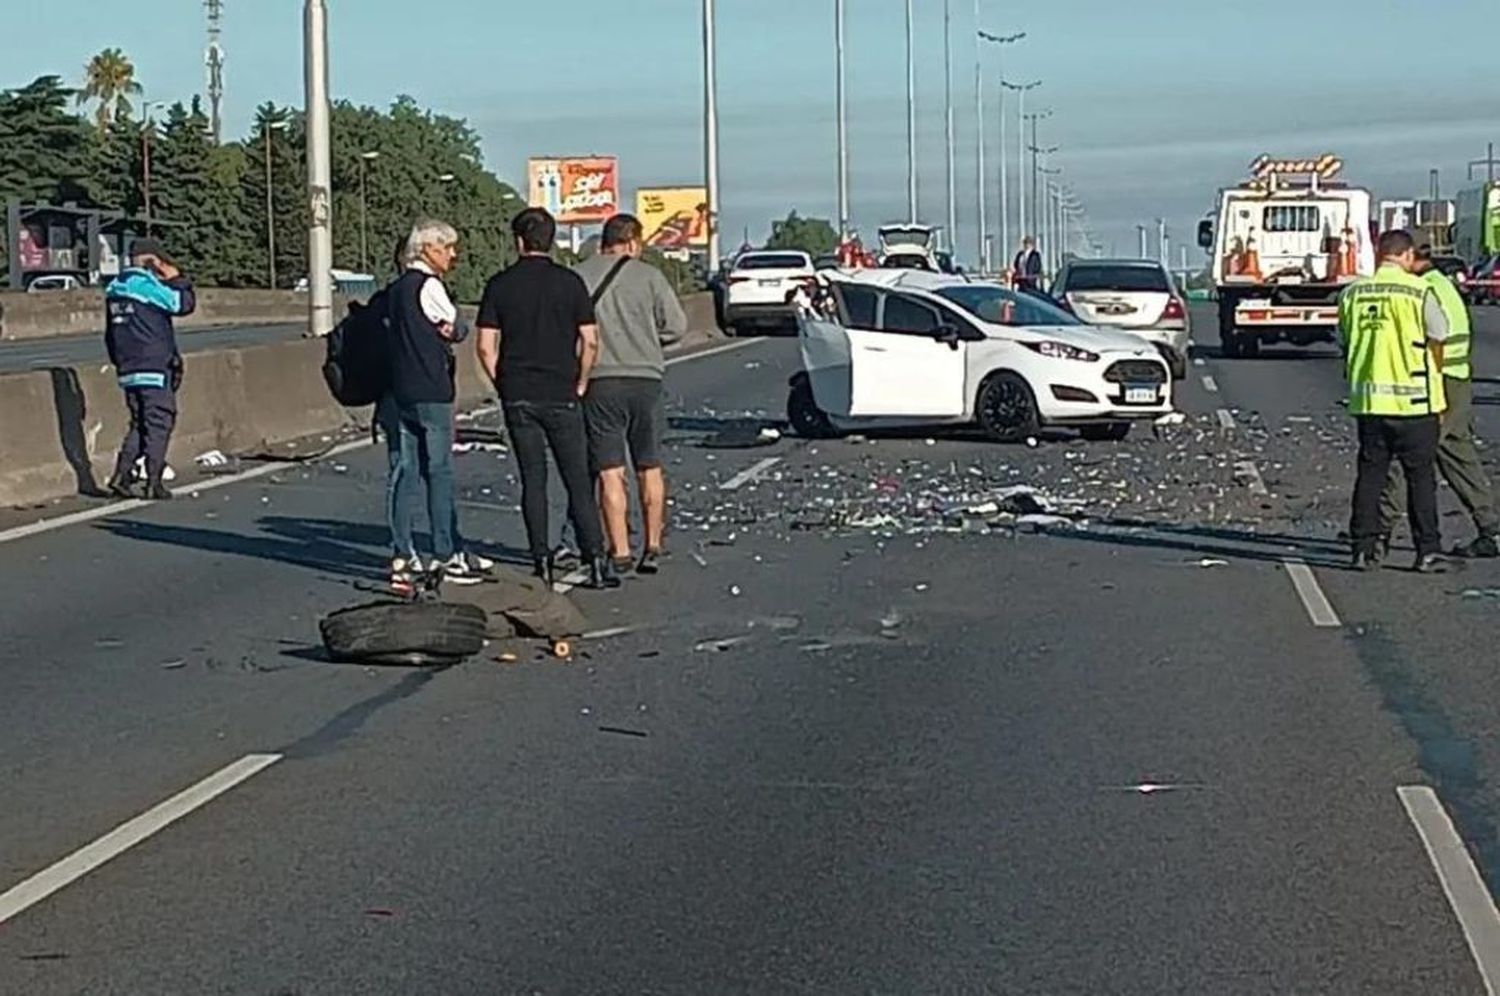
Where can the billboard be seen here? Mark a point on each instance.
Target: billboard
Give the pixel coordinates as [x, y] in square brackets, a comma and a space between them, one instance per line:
[578, 191]
[673, 217]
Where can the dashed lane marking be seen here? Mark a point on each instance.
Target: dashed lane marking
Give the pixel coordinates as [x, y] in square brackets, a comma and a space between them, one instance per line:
[1209, 384]
[1462, 884]
[1319, 609]
[130, 833]
[749, 474]
[1251, 473]
[209, 484]
[1226, 420]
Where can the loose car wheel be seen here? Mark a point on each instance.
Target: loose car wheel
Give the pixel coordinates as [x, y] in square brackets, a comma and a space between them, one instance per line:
[1109, 432]
[1006, 408]
[802, 411]
[410, 633]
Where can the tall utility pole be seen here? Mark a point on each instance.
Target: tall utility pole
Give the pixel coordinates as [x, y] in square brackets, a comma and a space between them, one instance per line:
[711, 129]
[1161, 240]
[948, 119]
[843, 123]
[911, 114]
[1488, 162]
[1037, 170]
[213, 60]
[319, 170]
[1140, 230]
[267, 127]
[1000, 41]
[1021, 90]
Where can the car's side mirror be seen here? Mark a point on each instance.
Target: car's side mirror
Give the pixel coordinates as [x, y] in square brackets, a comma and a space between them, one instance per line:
[1206, 234]
[948, 334]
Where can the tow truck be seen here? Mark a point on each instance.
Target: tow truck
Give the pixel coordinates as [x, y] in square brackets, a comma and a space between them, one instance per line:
[1284, 244]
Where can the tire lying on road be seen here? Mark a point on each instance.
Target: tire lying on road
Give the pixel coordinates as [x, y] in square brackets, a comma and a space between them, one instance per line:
[420, 634]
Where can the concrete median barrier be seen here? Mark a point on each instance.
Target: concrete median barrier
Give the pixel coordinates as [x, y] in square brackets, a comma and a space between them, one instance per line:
[60, 428]
[36, 316]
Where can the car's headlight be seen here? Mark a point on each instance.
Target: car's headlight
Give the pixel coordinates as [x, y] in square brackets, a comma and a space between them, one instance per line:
[1061, 351]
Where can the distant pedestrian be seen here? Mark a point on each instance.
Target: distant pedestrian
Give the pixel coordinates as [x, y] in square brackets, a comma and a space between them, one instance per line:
[1457, 456]
[538, 340]
[624, 409]
[1392, 329]
[141, 303]
[1027, 266]
[418, 415]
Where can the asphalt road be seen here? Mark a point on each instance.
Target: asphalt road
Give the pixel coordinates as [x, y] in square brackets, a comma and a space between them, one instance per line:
[849, 743]
[71, 350]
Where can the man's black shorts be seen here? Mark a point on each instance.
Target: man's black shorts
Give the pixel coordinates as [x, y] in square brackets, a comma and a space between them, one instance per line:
[625, 412]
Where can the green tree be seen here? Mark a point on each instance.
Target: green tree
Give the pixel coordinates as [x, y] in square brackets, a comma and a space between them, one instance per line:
[109, 82]
[279, 137]
[196, 193]
[42, 146]
[815, 236]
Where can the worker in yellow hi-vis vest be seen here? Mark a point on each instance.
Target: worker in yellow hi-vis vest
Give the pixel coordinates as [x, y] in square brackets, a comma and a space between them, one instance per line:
[1392, 330]
[1457, 456]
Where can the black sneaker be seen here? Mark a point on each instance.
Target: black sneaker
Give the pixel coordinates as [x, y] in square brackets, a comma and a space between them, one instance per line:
[650, 563]
[120, 487]
[602, 574]
[543, 567]
[1431, 563]
[1364, 560]
[157, 491]
[622, 565]
[1483, 548]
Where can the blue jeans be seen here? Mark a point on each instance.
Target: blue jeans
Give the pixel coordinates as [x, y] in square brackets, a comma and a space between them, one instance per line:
[419, 449]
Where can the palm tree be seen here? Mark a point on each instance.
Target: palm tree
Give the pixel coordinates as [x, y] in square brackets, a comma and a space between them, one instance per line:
[109, 79]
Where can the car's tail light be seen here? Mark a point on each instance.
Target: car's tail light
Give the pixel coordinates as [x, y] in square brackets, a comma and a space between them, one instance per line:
[1173, 309]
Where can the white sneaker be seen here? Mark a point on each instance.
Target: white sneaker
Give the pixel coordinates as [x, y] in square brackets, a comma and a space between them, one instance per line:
[404, 572]
[478, 562]
[456, 570]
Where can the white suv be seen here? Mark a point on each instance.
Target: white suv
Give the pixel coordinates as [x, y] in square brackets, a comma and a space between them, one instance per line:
[759, 289]
[1134, 295]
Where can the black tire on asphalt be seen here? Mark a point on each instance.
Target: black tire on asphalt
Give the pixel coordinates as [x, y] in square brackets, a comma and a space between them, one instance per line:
[418, 634]
[1006, 409]
[1108, 432]
[802, 412]
[1249, 345]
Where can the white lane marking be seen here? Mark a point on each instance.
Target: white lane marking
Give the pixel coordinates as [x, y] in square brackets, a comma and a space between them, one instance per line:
[130, 833]
[1461, 881]
[1226, 420]
[209, 484]
[1209, 384]
[1198, 361]
[131, 504]
[1319, 609]
[750, 473]
[1248, 470]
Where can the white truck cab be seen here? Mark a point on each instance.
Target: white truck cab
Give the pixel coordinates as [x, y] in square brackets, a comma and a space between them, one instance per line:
[1284, 244]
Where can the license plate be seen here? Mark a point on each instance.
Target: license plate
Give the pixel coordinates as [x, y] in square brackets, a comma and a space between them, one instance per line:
[1116, 309]
[1142, 394]
[769, 283]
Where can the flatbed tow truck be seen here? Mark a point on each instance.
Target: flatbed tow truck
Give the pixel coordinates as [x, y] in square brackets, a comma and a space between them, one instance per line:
[1285, 244]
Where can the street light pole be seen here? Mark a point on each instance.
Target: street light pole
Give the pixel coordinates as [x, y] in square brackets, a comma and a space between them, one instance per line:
[1161, 240]
[364, 213]
[999, 41]
[319, 170]
[1022, 89]
[911, 115]
[711, 129]
[267, 127]
[948, 118]
[843, 122]
[147, 128]
[1140, 230]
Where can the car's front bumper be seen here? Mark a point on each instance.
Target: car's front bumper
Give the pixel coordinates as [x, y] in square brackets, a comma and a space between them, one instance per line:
[1075, 394]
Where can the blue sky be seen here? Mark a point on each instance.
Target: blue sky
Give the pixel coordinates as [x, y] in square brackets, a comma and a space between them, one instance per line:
[1156, 102]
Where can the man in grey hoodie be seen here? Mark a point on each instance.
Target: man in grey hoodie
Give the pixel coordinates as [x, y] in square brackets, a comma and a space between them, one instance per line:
[624, 408]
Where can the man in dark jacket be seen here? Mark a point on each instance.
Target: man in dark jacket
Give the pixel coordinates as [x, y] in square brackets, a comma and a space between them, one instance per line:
[1027, 267]
[141, 303]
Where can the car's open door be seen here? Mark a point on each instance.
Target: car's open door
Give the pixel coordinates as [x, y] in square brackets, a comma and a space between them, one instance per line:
[824, 345]
[910, 363]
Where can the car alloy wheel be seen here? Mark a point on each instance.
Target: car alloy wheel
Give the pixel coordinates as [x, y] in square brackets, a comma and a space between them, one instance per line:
[1006, 408]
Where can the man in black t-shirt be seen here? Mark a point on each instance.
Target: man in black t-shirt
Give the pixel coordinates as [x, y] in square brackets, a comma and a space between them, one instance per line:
[538, 340]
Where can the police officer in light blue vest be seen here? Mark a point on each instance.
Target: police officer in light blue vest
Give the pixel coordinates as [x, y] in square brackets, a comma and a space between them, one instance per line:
[141, 303]
[1392, 329]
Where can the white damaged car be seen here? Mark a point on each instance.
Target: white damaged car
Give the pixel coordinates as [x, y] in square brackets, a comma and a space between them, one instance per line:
[902, 349]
